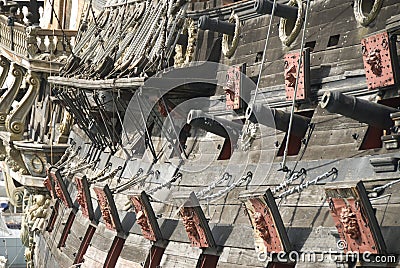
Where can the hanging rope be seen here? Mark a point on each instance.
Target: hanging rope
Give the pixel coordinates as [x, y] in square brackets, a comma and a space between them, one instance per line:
[301, 187]
[285, 153]
[264, 56]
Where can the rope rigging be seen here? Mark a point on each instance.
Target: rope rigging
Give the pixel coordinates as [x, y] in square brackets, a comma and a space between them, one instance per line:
[285, 153]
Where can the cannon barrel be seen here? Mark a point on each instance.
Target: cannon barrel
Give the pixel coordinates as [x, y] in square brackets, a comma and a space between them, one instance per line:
[278, 119]
[216, 25]
[363, 111]
[216, 125]
[283, 11]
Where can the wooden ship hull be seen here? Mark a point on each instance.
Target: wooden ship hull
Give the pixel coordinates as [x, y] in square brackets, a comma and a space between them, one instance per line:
[214, 134]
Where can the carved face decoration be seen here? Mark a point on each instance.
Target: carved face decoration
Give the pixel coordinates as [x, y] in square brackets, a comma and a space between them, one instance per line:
[105, 210]
[190, 226]
[375, 61]
[141, 219]
[261, 225]
[350, 225]
[58, 190]
[290, 75]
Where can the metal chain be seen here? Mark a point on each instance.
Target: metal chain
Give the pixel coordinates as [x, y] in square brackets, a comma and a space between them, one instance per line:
[68, 172]
[203, 192]
[165, 184]
[299, 188]
[135, 180]
[104, 177]
[383, 187]
[292, 178]
[72, 156]
[229, 188]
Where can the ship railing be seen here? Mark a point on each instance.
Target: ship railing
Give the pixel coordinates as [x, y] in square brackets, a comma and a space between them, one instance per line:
[32, 43]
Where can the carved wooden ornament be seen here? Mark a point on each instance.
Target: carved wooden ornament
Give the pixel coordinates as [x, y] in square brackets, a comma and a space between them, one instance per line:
[196, 224]
[355, 220]
[269, 232]
[83, 197]
[60, 188]
[233, 87]
[108, 208]
[378, 62]
[291, 68]
[49, 184]
[145, 217]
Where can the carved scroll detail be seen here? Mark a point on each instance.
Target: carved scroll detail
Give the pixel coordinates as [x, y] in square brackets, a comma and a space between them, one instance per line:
[5, 65]
[16, 119]
[8, 97]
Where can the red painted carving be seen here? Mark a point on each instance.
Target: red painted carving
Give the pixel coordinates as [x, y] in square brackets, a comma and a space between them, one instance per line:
[163, 108]
[59, 191]
[352, 225]
[290, 72]
[105, 208]
[265, 226]
[377, 61]
[290, 75]
[232, 88]
[142, 219]
[261, 225]
[349, 221]
[193, 228]
[47, 184]
[80, 197]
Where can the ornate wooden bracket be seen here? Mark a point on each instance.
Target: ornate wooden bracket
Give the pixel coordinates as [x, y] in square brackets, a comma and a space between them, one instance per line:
[380, 60]
[355, 220]
[233, 87]
[196, 224]
[15, 122]
[60, 188]
[145, 217]
[291, 69]
[108, 208]
[269, 231]
[8, 97]
[83, 197]
[5, 65]
[49, 186]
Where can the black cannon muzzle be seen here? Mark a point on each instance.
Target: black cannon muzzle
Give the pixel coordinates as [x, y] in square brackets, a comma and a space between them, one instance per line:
[283, 11]
[216, 25]
[278, 119]
[216, 125]
[373, 114]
